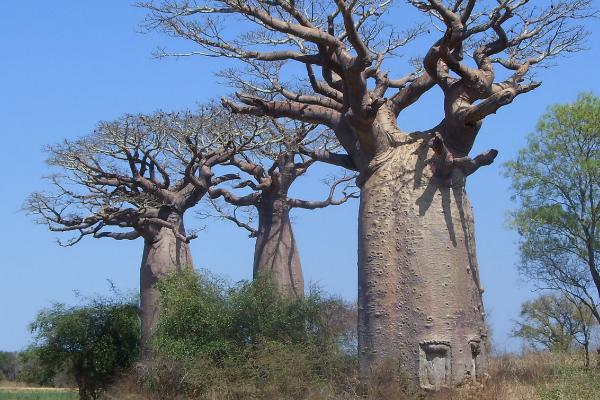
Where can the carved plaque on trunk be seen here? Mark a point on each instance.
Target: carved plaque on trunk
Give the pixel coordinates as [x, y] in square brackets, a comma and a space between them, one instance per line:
[434, 365]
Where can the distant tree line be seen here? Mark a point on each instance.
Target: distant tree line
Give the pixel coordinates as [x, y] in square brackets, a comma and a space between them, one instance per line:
[552, 322]
[9, 365]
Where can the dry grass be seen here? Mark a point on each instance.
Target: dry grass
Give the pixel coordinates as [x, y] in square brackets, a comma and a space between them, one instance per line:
[530, 377]
[534, 376]
[21, 386]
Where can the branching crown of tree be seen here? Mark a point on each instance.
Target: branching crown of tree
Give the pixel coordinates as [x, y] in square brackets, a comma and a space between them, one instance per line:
[129, 171]
[343, 45]
[272, 169]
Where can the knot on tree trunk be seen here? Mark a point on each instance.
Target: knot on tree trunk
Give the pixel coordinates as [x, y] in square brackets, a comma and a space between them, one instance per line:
[443, 162]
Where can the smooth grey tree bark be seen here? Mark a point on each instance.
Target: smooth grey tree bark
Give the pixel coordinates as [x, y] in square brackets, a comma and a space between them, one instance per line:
[276, 253]
[164, 254]
[419, 294]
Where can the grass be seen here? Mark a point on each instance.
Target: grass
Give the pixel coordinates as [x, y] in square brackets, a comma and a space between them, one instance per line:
[27, 393]
[535, 376]
[571, 383]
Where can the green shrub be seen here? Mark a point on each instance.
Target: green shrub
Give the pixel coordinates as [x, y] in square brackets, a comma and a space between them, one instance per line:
[246, 340]
[93, 343]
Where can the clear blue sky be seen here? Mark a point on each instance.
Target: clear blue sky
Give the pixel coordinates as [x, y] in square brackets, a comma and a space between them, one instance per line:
[67, 64]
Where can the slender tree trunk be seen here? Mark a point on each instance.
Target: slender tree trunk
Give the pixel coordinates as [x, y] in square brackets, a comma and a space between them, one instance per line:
[276, 253]
[586, 349]
[164, 253]
[591, 258]
[82, 388]
[419, 291]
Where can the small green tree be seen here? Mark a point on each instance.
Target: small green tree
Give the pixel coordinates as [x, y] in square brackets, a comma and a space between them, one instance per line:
[93, 342]
[556, 179]
[556, 323]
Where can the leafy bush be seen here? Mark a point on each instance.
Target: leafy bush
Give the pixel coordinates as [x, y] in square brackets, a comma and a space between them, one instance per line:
[91, 342]
[246, 340]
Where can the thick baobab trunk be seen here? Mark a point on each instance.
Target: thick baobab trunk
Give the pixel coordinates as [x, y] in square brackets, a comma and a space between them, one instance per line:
[276, 252]
[164, 253]
[419, 292]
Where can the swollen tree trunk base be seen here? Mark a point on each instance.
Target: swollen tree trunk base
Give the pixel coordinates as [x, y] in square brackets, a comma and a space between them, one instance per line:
[419, 293]
[276, 252]
[164, 253]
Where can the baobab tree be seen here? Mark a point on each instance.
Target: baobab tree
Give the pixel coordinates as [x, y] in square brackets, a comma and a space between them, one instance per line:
[419, 291]
[272, 170]
[135, 177]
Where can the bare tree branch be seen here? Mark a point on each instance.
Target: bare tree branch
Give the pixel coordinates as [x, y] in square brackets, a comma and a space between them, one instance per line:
[347, 193]
[349, 42]
[128, 170]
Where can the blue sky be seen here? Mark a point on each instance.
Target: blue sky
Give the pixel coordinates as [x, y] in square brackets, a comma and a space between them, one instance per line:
[67, 65]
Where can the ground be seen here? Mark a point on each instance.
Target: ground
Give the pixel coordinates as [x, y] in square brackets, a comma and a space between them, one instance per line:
[530, 377]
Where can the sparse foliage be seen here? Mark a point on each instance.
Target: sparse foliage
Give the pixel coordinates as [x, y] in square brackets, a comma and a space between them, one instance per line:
[556, 323]
[129, 170]
[135, 178]
[272, 171]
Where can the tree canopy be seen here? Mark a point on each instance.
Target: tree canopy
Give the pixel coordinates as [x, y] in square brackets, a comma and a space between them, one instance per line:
[93, 342]
[128, 170]
[338, 54]
[556, 179]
